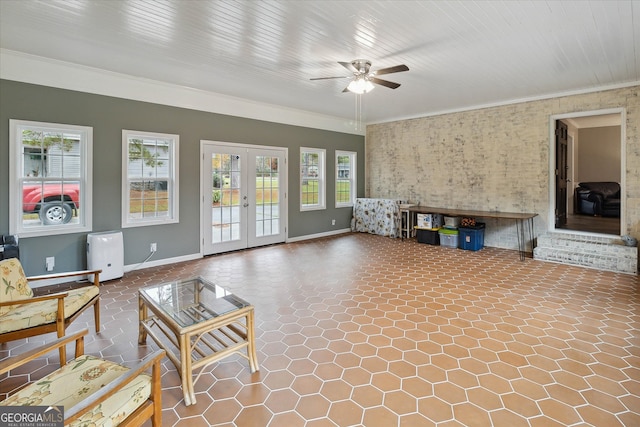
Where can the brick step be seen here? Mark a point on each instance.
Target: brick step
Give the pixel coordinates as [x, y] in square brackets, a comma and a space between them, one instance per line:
[591, 260]
[603, 253]
[601, 245]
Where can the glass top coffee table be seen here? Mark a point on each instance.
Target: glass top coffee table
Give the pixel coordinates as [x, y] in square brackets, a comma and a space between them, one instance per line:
[200, 321]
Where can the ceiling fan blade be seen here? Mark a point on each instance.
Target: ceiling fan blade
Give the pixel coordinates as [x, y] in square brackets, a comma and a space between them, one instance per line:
[346, 89]
[396, 69]
[349, 66]
[386, 83]
[326, 78]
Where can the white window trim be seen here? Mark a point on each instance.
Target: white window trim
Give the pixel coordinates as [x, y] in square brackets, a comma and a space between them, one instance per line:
[352, 179]
[322, 179]
[15, 193]
[127, 222]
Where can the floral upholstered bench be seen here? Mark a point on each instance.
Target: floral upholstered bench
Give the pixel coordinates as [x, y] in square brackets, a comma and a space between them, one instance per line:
[93, 391]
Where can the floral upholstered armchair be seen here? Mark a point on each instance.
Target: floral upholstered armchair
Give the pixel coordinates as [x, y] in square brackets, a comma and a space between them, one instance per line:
[24, 315]
[92, 391]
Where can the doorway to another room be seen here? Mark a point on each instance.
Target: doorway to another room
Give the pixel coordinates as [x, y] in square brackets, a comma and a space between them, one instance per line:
[587, 164]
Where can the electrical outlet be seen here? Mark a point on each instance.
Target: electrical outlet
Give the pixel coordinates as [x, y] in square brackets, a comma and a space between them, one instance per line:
[154, 247]
[333, 222]
[50, 263]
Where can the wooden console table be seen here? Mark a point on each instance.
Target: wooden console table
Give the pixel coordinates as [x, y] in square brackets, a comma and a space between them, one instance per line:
[524, 221]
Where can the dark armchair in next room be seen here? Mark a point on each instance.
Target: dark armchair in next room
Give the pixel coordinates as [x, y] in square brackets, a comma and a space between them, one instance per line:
[598, 198]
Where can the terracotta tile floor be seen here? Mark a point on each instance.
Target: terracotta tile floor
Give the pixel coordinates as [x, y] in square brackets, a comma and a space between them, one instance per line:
[363, 330]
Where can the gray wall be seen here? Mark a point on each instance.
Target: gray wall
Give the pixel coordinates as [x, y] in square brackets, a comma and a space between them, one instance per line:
[598, 154]
[108, 116]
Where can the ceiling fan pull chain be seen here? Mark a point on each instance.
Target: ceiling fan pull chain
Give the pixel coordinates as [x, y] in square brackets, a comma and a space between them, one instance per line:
[358, 111]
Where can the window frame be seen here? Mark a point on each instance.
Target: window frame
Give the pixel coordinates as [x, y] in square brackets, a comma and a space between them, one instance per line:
[321, 178]
[17, 176]
[353, 178]
[172, 179]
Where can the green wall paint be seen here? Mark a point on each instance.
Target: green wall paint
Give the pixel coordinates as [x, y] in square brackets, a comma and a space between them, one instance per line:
[108, 116]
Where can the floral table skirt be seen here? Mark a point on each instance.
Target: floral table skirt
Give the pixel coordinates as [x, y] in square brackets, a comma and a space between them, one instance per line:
[377, 216]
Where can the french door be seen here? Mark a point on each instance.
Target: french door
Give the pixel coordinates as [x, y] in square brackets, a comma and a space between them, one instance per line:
[243, 196]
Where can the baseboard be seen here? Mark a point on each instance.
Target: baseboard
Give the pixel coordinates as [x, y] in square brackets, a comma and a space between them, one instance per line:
[318, 235]
[161, 262]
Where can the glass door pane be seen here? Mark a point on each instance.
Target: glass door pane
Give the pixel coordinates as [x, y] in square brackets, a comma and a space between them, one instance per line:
[267, 202]
[226, 182]
[224, 198]
[266, 216]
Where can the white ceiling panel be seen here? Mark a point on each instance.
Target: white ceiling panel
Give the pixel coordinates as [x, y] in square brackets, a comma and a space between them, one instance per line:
[461, 54]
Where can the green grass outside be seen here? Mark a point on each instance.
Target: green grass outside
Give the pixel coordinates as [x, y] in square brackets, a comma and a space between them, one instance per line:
[310, 192]
[343, 191]
[267, 192]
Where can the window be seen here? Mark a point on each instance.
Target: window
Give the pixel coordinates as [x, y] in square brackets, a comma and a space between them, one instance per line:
[149, 183]
[312, 179]
[345, 178]
[49, 178]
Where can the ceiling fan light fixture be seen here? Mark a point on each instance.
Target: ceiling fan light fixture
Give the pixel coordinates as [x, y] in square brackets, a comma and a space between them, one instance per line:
[360, 85]
[365, 80]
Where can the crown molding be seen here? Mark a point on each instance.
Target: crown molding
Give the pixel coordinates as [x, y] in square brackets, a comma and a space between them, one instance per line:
[39, 70]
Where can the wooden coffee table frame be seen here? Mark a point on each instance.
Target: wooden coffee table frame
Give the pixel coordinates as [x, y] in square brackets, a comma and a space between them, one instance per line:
[201, 343]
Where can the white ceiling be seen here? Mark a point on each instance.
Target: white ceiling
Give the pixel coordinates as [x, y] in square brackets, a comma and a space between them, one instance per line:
[461, 54]
[596, 121]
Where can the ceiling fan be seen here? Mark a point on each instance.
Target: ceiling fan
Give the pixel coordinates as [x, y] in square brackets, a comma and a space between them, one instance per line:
[364, 78]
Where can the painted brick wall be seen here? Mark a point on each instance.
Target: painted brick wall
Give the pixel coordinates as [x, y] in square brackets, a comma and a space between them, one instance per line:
[490, 159]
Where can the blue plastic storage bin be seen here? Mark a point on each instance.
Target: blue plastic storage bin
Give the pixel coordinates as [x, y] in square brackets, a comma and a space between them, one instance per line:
[471, 238]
